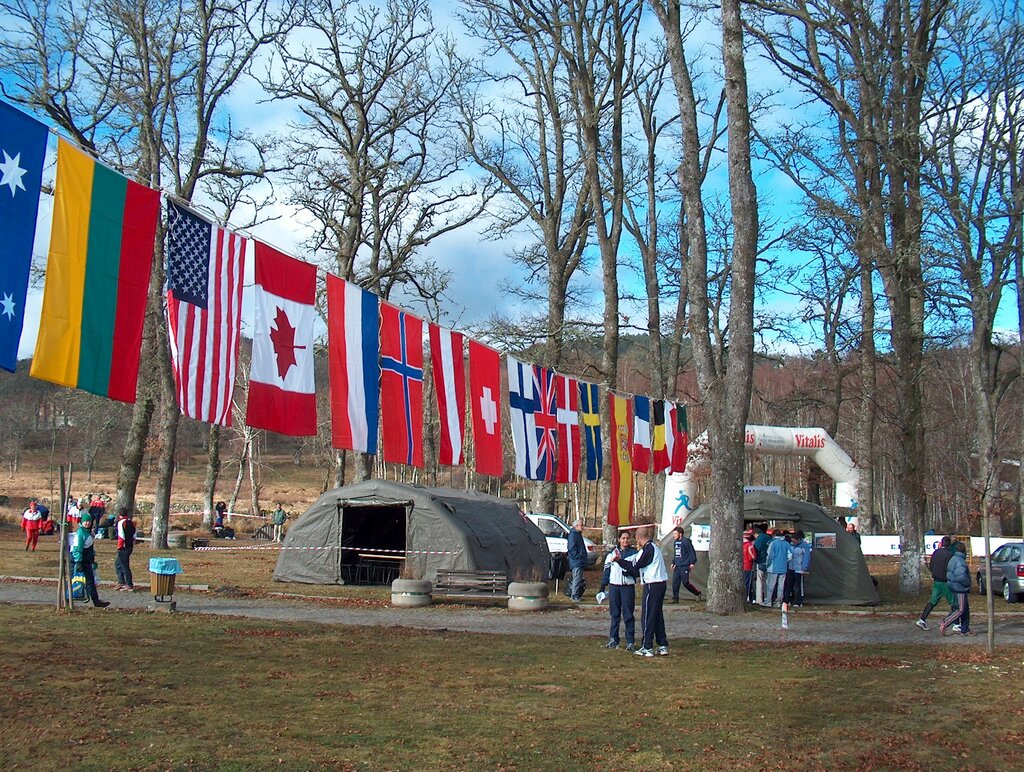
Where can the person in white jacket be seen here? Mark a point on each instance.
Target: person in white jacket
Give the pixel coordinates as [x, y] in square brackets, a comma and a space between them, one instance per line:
[649, 566]
[621, 593]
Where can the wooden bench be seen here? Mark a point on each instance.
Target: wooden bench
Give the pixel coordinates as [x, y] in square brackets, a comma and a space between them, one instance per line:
[476, 584]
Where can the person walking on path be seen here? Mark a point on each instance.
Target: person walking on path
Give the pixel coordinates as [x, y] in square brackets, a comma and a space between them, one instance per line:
[777, 565]
[684, 557]
[31, 519]
[650, 564]
[577, 552]
[125, 545]
[279, 517]
[958, 578]
[761, 543]
[84, 556]
[621, 589]
[940, 589]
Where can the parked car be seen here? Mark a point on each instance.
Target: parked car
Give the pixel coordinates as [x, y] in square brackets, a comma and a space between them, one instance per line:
[557, 534]
[1007, 571]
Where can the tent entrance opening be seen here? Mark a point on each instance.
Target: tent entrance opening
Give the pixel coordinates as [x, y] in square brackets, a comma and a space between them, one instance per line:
[373, 543]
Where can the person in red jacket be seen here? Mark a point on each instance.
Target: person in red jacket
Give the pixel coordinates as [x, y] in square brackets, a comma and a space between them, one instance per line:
[749, 561]
[30, 520]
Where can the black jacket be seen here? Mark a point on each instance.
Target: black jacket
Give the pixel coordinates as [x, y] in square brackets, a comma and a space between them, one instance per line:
[940, 560]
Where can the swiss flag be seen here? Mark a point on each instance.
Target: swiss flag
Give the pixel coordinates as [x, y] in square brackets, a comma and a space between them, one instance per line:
[282, 394]
[485, 403]
[401, 387]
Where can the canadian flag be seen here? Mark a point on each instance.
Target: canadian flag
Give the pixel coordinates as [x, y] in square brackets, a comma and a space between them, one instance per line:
[485, 404]
[449, 370]
[282, 394]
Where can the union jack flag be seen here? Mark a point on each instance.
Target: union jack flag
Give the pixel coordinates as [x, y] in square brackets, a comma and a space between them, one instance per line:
[546, 419]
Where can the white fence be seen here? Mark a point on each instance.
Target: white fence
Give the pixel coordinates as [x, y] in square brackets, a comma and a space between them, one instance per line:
[890, 545]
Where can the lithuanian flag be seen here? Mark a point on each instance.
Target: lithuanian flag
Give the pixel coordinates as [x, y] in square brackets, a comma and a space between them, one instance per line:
[97, 276]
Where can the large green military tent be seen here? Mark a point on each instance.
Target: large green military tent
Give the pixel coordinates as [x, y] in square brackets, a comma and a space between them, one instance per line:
[838, 574]
[370, 532]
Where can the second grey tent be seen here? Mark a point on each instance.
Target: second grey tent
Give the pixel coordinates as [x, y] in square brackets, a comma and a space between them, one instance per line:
[838, 575]
[370, 532]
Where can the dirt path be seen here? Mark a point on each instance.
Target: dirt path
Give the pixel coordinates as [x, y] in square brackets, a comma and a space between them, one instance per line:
[585, 621]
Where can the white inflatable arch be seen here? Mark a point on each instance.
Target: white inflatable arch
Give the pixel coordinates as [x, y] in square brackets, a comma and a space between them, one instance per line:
[775, 440]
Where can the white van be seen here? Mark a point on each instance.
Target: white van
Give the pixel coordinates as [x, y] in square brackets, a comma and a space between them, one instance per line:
[557, 534]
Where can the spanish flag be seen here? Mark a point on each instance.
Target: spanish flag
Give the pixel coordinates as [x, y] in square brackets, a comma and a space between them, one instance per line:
[620, 500]
[97, 276]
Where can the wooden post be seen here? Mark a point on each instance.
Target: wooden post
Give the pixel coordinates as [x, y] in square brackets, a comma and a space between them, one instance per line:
[990, 606]
[63, 582]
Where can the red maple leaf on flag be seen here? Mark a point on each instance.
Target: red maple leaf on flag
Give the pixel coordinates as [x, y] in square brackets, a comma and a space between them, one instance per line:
[283, 338]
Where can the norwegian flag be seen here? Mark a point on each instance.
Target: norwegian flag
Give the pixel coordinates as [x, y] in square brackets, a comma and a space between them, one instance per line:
[204, 312]
[401, 364]
[568, 418]
[531, 401]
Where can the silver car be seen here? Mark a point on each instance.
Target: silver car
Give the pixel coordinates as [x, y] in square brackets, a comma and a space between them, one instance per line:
[1007, 571]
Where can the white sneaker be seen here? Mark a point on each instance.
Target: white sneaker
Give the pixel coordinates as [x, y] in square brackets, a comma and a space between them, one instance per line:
[662, 651]
[922, 624]
[642, 652]
[955, 628]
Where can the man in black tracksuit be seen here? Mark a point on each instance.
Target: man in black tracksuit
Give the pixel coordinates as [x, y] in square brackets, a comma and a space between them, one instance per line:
[684, 557]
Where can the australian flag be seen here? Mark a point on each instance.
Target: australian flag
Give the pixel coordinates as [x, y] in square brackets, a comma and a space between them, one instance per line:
[22, 150]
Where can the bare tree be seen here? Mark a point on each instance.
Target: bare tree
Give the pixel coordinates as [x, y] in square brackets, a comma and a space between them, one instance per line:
[377, 159]
[143, 84]
[528, 140]
[724, 371]
[865, 65]
[974, 176]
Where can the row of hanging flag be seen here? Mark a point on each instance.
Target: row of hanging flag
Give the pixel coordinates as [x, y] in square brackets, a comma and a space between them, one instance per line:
[94, 303]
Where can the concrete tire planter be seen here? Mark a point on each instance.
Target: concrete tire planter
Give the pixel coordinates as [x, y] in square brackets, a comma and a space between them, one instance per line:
[410, 593]
[177, 541]
[527, 596]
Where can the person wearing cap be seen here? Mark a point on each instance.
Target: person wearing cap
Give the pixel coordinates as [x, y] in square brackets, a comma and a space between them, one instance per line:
[621, 593]
[30, 520]
[83, 553]
[577, 553]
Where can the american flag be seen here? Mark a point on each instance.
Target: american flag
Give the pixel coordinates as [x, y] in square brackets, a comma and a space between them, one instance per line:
[204, 308]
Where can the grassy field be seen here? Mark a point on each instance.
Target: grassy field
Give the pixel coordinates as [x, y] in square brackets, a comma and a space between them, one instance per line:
[142, 691]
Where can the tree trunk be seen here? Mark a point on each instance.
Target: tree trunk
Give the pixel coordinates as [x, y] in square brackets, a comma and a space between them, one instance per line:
[142, 411]
[212, 475]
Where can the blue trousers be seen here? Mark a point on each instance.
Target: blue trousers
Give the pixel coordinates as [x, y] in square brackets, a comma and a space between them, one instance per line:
[653, 619]
[681, 576]
[621, 600]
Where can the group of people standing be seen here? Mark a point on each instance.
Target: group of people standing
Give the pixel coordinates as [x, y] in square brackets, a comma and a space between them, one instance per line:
[774, 566]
